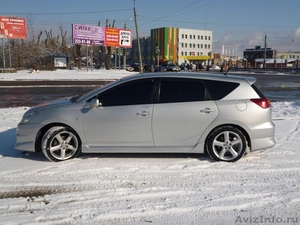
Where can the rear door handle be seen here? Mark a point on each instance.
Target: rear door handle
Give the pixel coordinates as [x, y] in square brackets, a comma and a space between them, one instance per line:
[142, 113]
[207, 110]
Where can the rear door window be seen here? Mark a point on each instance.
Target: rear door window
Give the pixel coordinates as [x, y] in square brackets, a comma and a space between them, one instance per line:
[181, 90]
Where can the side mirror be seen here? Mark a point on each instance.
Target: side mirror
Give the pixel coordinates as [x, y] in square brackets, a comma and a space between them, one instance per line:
[93, 103]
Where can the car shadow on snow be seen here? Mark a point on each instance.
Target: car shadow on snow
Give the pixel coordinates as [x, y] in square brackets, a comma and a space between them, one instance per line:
[7, 147]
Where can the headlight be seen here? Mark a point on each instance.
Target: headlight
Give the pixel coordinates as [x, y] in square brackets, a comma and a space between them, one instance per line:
[28, 116]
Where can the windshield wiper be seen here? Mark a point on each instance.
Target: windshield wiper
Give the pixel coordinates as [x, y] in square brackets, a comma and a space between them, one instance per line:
[74, 98]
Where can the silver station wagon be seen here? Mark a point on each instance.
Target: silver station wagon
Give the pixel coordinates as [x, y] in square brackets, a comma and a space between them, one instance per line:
[222, 115]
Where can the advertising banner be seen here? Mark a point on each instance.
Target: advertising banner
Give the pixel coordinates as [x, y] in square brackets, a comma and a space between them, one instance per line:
[88, 35]
[125, 38]
[112, 37]
[13, 27]
[104, 36]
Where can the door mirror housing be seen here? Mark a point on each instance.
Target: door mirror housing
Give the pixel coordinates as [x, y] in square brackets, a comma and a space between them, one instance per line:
[93, 103]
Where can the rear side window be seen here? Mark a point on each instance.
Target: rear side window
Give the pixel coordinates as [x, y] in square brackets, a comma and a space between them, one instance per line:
[181, 90]
[258, 91]
[219, 89]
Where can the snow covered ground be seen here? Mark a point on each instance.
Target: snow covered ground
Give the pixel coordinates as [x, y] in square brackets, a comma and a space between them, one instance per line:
[261, 188]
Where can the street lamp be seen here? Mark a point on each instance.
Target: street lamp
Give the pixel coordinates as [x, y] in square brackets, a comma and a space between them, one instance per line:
[125, 24]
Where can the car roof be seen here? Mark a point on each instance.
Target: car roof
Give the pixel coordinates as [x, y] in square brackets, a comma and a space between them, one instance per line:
[193, 75]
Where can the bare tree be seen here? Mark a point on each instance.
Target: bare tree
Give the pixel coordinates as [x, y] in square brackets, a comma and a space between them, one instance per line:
[39, 37]
[51, 42]
[30, 27]
[63, 41]
[39, 50]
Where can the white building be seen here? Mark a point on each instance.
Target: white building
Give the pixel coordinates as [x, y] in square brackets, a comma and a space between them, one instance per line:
[194, 45]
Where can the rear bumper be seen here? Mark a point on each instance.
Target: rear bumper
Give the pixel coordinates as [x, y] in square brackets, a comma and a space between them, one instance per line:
[263, 136]
[262, 143]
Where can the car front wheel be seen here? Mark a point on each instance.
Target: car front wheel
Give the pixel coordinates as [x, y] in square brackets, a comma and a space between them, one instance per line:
[61, 143]
[226, 143]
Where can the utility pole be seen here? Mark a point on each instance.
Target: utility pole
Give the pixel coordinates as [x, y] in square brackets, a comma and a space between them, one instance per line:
[265, 50]
[124, 52]
[138, 39]
[3, 53]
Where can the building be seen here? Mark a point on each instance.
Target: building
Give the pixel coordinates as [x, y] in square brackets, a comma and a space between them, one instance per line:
[145, 43]
[194, 45]
[254, 53]
[180, 45]
[288, 55]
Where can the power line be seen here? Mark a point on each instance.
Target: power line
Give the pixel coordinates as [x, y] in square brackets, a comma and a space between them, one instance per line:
[220, 24]
[174, 11]
[201, 6]
[141, 18]
[67, 13]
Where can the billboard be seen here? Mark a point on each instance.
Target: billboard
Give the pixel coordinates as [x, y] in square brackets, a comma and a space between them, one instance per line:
[104, 36]
[88, 35]
[118, 37]
[13, 27]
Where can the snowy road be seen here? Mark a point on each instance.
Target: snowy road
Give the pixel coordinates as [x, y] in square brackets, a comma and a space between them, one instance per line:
[157, 189]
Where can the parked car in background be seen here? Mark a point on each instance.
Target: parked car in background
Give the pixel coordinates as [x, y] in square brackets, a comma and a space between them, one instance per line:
[173, 68]
[167, 66]
[136, 67]
[154, 113]
[128, 68]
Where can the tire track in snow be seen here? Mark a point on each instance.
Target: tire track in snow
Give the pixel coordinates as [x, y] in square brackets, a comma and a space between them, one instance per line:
[290, 131]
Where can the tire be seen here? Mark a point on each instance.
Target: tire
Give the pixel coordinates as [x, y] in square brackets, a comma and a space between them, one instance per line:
[226, 143]
[61, 143]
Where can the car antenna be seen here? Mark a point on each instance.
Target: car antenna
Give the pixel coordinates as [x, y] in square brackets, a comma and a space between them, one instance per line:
[227, 70]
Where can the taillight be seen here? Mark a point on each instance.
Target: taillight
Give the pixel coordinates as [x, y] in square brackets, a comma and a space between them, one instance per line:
[262, 102]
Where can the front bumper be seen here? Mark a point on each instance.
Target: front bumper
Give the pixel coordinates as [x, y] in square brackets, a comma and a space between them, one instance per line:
[25, 137]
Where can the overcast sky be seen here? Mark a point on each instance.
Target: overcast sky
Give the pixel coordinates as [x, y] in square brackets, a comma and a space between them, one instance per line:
[236, 23]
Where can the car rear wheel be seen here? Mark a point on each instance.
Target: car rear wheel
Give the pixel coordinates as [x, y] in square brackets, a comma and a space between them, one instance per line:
[226, 143]
[61, 143]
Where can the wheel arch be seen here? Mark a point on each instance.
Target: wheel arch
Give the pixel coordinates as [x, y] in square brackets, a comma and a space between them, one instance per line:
[245, 133]
[44, 129]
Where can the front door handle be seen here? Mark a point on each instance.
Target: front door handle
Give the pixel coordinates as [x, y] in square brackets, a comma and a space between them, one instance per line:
[207, 110]
[143, 113]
